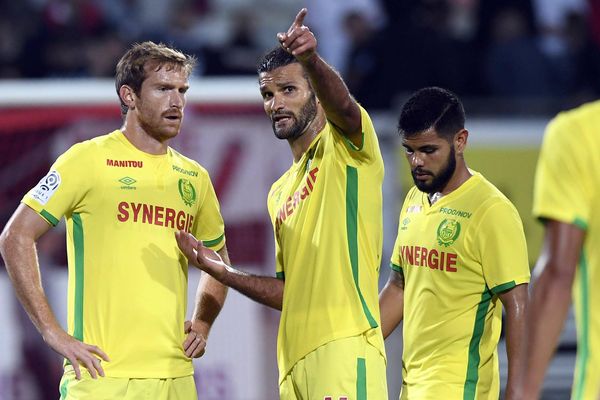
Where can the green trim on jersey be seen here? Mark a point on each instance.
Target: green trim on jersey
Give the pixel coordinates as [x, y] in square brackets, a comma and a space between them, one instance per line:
[352, 232]
[79, 263]
[580, 223]
[503, 287]
[361, 379]
[396, 268]
[63, 389]
[49, 217]
[213, 243]
[474, 357]
[280, 275]
[352, 145]
[583, 345]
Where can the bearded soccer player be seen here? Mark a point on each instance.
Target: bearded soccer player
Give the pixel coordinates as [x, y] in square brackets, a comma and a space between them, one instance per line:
[566, 198]
[327, 220]
[123, 195]
[459, 256]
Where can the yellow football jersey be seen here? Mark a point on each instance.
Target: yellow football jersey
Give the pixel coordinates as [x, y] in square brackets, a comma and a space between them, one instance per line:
[127, 278]
[456, 256]
[326, 212]
[567, 189]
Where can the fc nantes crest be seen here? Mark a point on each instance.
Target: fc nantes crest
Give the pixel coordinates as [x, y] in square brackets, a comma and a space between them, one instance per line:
[187, 192]
[448, 232]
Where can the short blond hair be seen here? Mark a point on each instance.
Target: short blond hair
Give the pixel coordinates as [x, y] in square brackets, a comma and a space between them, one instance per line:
[132, 67]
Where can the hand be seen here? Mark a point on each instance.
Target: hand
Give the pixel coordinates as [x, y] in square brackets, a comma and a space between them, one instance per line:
[77, 353]
[195, 342]
[299, 40]
[201, 257]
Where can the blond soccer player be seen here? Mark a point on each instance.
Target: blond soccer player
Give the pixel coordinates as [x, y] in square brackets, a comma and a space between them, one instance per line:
[122, 196]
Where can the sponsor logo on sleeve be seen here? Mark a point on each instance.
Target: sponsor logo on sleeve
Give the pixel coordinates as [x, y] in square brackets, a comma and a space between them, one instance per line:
[46, 187]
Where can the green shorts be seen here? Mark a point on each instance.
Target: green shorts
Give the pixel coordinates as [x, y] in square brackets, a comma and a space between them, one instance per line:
[344, 369]
[87, 388]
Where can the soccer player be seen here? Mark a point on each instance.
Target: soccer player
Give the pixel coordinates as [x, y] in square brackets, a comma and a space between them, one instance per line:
[123, 195]
[566, 200]
[460, 252]
[326, 212]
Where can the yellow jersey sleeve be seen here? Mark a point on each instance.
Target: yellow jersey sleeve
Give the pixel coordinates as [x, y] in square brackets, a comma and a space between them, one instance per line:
[369, 150]
[62, 191]
[209, 225]
[502, 247]
[557, 195]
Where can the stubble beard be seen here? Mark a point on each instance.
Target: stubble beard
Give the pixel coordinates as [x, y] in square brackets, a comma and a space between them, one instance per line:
[305, 117]
[439, 181]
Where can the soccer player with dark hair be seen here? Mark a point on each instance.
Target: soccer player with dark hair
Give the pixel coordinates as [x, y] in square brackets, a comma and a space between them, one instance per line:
[326, 212]
[566, 198]
[123, 195]
[459, 253]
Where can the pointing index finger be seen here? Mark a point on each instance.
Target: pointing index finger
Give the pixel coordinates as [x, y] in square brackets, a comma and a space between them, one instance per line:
[299, 20]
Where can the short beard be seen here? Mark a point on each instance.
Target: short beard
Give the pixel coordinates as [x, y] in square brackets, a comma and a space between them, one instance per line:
[305, 117]
[439, 181]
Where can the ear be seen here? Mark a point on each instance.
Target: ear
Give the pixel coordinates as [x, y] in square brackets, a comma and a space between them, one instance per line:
[127, 96]
[460, 141]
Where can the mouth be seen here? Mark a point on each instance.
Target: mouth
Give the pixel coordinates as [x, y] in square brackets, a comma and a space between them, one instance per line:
[279, 118]
[421, 175]
[173, 116]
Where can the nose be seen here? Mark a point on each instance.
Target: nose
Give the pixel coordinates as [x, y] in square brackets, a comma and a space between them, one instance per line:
[277, 103]
[415, 160]
[177, 100]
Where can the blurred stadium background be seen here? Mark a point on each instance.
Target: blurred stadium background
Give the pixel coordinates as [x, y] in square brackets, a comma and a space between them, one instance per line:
[515, 63]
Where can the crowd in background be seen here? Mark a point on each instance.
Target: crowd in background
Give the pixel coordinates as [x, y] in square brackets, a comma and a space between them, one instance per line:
[524, 49]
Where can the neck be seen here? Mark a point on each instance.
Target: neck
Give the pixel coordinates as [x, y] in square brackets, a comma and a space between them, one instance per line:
[138, 137]
[460, 176]
[300, 145]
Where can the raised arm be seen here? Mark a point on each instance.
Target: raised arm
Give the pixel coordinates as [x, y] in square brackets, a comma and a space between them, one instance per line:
[391, 303]
[515, 303]
[263, 289]
[340, 108]
[17, 245]
[550, 299]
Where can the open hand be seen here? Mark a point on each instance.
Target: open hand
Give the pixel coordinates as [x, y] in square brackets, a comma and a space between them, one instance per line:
[199, 256]
[299, 40]
[78, 353]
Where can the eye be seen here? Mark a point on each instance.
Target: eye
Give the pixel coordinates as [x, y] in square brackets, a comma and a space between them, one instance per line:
[266, 95]
[407, 150]
[289, 89]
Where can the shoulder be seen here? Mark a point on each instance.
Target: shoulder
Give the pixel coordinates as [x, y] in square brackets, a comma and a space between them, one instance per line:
[492, 202]
[570, 126]
[187, 166]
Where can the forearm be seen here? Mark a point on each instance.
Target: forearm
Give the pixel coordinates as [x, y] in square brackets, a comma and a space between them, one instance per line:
[334, 96]
[22, 266]
[210, 298]
[548, 311]
[516, 324]
[391, 305]
[263, 289]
